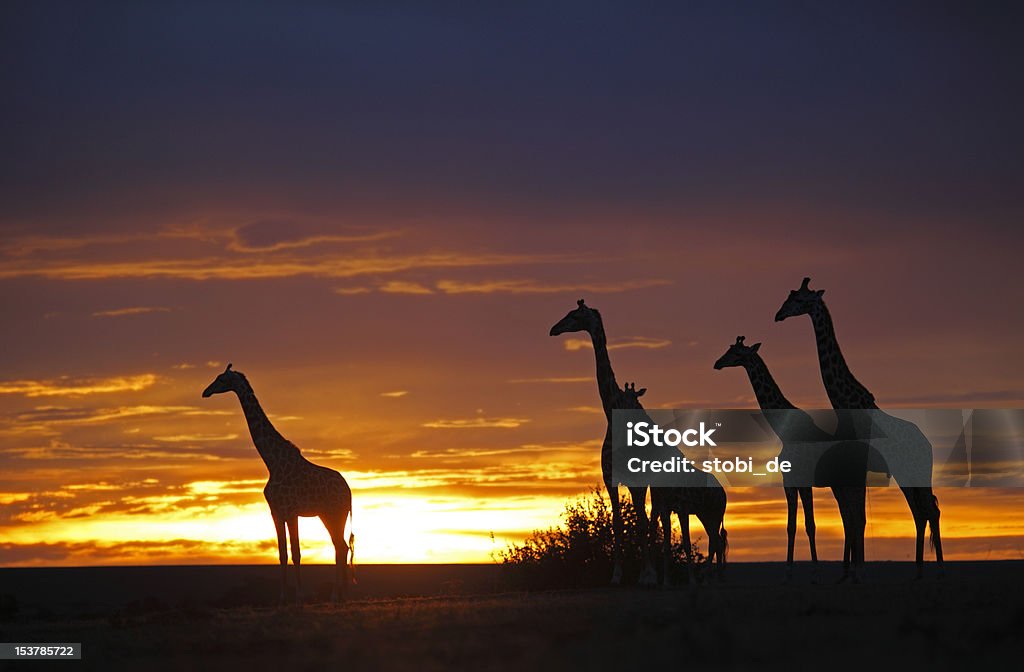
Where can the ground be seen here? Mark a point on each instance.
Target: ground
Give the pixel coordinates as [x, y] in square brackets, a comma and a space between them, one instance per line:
[972, 617]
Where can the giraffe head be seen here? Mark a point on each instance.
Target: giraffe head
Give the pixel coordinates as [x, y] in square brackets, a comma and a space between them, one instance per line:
[801, 301]
[583, 318]
[738, 354]
[629, 398]
[229, 381]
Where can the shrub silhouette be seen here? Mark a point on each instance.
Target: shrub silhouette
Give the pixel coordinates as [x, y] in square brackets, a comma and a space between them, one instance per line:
[578, 553]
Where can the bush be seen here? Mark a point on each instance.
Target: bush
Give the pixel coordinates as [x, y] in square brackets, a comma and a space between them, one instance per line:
[578, 553]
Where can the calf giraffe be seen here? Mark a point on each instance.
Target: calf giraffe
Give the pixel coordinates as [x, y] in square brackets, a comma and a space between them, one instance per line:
[296, 487]
[703, 497]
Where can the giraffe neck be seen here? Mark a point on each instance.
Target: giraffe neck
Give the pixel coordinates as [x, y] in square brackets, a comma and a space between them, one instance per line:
[844, 390]
[769, 396]
[606, 385]
[272, 447]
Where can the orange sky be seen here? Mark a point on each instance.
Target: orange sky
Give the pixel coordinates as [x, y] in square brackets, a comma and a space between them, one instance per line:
[377, 216]
[453, 414]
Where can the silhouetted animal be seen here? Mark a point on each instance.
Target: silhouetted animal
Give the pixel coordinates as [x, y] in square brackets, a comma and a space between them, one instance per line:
[297, 487]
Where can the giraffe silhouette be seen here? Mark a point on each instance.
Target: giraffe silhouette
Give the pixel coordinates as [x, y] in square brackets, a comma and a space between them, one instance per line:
[702, 496]
[811, 452]
[296, 487]
[899, 446]
[587, 319]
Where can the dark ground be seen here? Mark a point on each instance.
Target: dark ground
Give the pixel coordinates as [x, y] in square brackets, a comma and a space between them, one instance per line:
[457, 617]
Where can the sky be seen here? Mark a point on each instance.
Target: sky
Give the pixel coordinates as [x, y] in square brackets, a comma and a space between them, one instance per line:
[378, 210]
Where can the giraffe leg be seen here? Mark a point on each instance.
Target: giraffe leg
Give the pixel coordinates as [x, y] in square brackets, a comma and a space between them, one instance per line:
[282, 552]
[684, 527]
[920, 521]
[858, 495]
[638, 496]
[807, 497]
[666, 545]
[790, 530]
[844, 514]
[293, 534]
[335, 524]
[932, 507]
[613, 493]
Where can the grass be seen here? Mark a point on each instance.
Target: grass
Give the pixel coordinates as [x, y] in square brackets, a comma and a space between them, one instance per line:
[965, 620]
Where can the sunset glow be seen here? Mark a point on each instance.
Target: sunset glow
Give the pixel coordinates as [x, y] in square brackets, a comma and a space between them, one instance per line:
[378, 225]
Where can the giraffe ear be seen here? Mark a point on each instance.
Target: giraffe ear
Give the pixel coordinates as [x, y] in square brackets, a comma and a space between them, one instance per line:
[820, 292]
[229, 368]
[755, 347]
[641, 392]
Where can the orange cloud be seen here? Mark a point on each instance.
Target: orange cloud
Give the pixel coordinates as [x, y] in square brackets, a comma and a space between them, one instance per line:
[138, 310]
[538, 287]
[477, 423]
[573, 344]
[72, 387]
[404, 287]
[570, 379]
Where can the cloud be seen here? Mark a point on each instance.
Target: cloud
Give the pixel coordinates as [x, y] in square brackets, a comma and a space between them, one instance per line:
[251, 268]
[477, 423]
[48, 419]
[77, 387]
[138, 310]
[586, 409]
[539, 287]
[275, 236]
[396, 394]
[349, 291]
[573, 344]
[403, 287]
[193, 438]
[570, 379]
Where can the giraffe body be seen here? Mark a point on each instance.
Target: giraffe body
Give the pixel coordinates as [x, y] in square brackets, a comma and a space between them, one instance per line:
[815, 455]
[899, 446]
[703, 496]
[296, 487]
[587, 319]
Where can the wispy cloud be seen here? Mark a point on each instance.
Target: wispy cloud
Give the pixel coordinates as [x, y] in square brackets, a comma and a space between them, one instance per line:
[569, 379]
[136, 310]
[395, 394]
[455, 287]
[477, 423]
[644, 342]
[404, 287]
[195, 438]
[220, 267]
[540, 287]
[77, 387]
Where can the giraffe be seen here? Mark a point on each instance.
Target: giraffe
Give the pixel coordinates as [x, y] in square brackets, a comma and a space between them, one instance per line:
[585, 318]
[296, 487]
[703, 496]
[803, 446]
[905, 452]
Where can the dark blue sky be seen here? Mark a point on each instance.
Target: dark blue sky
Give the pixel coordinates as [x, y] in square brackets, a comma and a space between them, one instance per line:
[526, 109]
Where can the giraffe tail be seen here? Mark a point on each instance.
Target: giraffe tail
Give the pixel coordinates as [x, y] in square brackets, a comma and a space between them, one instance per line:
[933, 522]
[352, 548]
